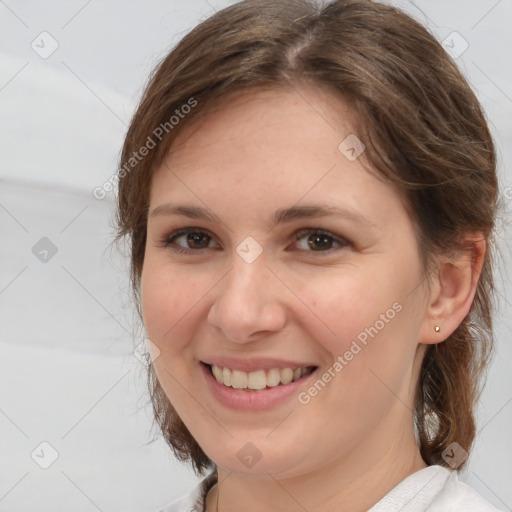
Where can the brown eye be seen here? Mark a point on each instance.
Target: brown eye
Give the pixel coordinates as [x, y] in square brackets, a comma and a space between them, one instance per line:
[315, 240]
[320, 242]
[188, 240]
[197, 240]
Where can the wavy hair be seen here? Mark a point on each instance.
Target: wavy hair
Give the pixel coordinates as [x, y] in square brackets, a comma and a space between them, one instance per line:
[424, 131]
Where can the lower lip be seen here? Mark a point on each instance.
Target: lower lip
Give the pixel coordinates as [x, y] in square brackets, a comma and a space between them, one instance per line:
[254, 400]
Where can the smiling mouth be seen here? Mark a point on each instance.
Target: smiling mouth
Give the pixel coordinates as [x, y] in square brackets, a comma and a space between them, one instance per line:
[258, 380]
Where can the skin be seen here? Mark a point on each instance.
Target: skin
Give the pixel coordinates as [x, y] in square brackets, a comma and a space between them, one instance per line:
[354, 441]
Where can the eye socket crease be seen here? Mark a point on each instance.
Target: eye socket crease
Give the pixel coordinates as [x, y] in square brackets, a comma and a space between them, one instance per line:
[280, 216]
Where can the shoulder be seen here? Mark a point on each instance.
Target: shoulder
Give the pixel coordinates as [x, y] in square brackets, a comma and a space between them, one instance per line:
[433, 489]
[457, 495]
[194, 500]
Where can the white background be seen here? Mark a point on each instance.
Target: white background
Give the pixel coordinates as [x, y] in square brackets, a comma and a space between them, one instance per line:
[67, 372]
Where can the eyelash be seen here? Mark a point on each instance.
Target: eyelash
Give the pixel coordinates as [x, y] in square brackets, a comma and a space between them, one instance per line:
[167, 241]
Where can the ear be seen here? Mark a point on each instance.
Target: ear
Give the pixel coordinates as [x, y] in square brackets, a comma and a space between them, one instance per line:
[453, 289]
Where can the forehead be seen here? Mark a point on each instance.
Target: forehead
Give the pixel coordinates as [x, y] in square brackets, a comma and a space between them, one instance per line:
[280, 132]
[241, 114]
[271, 148]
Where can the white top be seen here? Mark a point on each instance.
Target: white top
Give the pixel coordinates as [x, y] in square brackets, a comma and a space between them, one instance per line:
[432, 489]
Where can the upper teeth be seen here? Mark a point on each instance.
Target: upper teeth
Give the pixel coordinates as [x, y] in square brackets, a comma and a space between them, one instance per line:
[258, 379]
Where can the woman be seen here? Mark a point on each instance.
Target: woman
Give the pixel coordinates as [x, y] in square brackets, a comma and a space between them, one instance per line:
[310, 195]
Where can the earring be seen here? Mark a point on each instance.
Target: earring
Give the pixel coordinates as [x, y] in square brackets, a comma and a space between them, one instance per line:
[437, 328]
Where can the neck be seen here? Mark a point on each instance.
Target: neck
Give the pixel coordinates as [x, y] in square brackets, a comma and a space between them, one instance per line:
[353, 484]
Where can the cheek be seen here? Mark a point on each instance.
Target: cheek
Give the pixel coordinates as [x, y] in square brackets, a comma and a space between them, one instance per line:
[368, 317]
[167, 297]
[343, 304]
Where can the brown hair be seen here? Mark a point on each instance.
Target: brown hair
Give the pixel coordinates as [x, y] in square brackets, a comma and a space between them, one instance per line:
[424, 131]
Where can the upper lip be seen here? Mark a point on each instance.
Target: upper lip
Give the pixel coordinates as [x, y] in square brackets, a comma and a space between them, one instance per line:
[255, 363]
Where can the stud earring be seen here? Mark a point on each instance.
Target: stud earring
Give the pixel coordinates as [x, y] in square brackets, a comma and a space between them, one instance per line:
[437, 328]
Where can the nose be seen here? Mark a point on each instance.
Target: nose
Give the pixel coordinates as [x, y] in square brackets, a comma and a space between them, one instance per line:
[247, 303]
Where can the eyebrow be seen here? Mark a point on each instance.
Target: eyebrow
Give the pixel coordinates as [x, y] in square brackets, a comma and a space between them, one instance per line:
[280, 216]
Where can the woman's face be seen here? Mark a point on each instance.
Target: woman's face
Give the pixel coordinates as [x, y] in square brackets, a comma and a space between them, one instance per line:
[349, 299]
